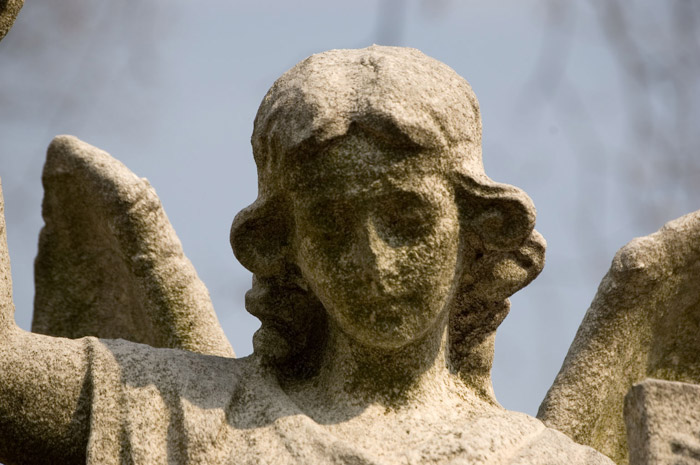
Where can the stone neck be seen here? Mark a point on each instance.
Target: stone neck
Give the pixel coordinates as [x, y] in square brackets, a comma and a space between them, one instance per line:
[354, 376]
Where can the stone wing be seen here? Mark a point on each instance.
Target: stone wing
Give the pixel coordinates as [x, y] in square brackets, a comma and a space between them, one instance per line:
[643, 323]
[110, 264]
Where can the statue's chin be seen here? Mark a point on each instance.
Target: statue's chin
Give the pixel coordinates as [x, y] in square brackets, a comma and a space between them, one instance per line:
[387, 324]
[393, 334]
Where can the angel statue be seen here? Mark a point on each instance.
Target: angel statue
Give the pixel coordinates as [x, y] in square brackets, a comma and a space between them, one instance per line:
[382, 259]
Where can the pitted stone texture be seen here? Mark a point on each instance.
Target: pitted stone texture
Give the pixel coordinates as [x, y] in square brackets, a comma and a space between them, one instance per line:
[644, 322]
[110, 264]
[390, 139]
[383, 259]
[663, 423]
[158, 406]
[401, 90]
[9, 9]
[41, 417]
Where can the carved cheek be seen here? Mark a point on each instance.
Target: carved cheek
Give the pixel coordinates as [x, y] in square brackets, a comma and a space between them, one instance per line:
[439, 256]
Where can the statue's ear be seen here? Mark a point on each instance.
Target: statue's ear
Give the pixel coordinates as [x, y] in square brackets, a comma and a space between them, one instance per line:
[260, 236]
[499, 275]
[502, 215]
[510, 253]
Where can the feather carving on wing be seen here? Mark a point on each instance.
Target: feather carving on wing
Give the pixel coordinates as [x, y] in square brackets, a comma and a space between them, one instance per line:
[110, 264]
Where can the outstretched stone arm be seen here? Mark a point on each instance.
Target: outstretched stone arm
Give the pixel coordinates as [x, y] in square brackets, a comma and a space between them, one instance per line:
[44, 398]
[44, 410]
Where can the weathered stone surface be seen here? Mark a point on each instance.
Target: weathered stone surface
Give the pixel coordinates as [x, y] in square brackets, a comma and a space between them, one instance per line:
[663, 423]
[42, 417]
[8, 309]
[383, 259]
[9, 9]
[644, 322]
[110, 264]
[199, 409]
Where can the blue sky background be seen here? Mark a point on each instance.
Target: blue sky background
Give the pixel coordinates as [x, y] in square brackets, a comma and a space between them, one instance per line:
[171, 90]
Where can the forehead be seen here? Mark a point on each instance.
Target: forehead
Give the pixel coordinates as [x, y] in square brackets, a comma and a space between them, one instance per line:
[359, 163]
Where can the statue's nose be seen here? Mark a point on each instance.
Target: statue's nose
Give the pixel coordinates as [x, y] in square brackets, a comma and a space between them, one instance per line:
[375, 257]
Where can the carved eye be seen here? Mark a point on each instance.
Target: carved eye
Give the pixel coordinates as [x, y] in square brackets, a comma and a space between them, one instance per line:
[404, 218]
[330, 219]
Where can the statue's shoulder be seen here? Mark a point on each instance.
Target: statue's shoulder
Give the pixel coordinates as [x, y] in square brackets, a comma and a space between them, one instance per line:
[525, 439]
[138, 364]
[552, 446]
[147, 402]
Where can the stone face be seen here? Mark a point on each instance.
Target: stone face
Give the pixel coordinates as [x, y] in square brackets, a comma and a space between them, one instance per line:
[110, 264]
[9, 9]
[663, 423]
[345, 125]
[644, 322]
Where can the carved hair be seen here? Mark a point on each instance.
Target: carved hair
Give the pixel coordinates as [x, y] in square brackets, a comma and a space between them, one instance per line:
[402, 96]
